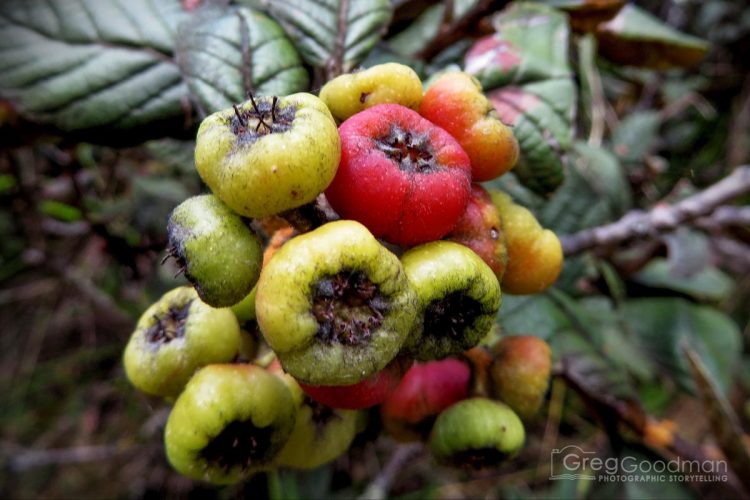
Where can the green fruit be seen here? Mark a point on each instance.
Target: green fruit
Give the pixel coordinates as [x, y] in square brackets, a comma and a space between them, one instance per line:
[458, 294]
[321, 433]
[476, 433]
[229, 422]
[268, 154]
[176, 336]
[245, 309]
[520, 373]
[335, 305]
[220, 254]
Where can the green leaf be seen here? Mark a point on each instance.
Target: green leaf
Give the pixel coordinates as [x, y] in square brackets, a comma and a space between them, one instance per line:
[636, 135]
[226, 54]
[725, 424]
[426, 27]
[528, 59]
[332, 34]
[660, 325]
[635, 37]
[59, 210]
[595, 191]
[586, 15]
[709, 284]
[90, 64]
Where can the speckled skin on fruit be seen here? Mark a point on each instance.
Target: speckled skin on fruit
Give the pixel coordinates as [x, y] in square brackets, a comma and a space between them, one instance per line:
[520, 373]
[284, 304]
[442, 269]
[220, 395]
[259, 174]
[481, 229]
[456, 103]
[535, 256]
[160, 361]
[404, 178]
[320, 433]
[221, 254]
[476, 433]
[389, 83]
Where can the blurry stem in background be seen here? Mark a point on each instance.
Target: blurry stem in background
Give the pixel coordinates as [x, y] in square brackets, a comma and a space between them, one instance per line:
[614, 414]
[31, 459]
[554, 415]
[380, 486]
[661, 218]
[592, 82]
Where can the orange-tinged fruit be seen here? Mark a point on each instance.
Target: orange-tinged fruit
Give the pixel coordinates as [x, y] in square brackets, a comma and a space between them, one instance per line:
[535, 254]
[520, 373]
[455, 102]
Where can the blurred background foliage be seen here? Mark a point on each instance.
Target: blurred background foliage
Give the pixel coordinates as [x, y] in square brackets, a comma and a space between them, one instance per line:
[617, 107]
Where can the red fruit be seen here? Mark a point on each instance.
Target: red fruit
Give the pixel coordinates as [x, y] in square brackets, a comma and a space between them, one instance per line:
[425, 391]
[369, 392]
[481, 229]
[404, 178]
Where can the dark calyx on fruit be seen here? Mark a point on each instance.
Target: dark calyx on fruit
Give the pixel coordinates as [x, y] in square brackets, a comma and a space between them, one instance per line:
[170, 326]
[348, 307]
[240, 443]
[478, 458]
[265, 117]
[321, 414]
[413, 152]
[451, 315]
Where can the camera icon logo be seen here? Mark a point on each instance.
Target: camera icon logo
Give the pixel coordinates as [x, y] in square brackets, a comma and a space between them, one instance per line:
[570, 462]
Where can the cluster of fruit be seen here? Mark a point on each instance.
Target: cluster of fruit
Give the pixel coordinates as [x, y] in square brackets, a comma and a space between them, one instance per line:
[376, 299]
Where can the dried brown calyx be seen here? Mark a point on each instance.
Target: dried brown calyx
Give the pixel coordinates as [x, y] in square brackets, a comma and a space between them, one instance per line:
[348, 308]
[241, 444]
[451, 315]
[413, 152]
[265, 117]
[170, 326]
[478, 458]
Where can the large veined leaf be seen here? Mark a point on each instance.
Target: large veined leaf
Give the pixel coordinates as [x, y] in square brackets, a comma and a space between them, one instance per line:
[332, 34]
[526, 63]
[92, 64]
[637, 38]
[660, 325]
[226, 54]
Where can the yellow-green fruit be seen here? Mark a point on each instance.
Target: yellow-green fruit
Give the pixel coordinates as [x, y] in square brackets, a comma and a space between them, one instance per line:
[245, 309]
[321, 433]
[476, 433]
[535, 256]
[389, 83]
[221, 256]
[269, 154]
[229, 422]
[174, 337]
[458, 294]
[335, 305]
[520, 373]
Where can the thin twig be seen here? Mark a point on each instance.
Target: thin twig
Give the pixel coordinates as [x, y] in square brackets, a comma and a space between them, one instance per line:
[380, 486]
[449, 33]
[32, 459]
[661, 218]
